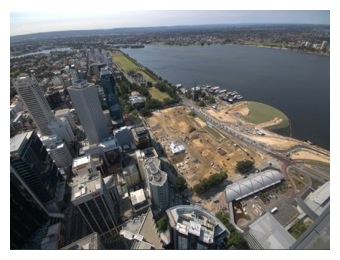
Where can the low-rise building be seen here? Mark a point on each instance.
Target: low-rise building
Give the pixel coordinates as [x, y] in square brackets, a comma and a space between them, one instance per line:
[267, 233]
[177, 148]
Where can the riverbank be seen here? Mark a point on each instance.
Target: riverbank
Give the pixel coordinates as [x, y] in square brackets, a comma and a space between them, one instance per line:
[248, 45]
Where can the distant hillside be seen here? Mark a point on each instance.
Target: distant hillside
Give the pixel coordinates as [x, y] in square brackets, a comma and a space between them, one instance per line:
[143, 30]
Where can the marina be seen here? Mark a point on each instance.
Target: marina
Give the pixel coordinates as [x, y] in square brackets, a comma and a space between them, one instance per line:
[229, 96]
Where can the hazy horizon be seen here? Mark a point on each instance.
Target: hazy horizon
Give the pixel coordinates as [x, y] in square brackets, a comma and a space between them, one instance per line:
[23, 23]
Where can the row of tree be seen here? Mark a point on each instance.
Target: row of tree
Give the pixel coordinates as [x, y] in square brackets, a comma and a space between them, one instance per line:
[206, 184]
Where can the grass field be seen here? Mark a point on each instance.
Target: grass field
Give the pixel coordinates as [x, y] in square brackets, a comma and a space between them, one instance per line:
[213, 133]
[127, 65]
[156, 94]
[261, 113]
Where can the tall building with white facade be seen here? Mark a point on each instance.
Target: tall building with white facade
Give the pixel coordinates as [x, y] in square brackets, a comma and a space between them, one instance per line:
[142, 156]
[65, 113]
[34, 100]
[92, 198]
[87, 105]
[157, 183]
[62, 128]
[57, 150]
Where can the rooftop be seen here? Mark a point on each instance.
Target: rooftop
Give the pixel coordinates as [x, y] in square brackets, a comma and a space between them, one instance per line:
[89, 242]
[137, 197]
[105, 71]
[176, 147]
[19, 140]
[62, 111]
[197, 221]
[270, 234]
[154, 173]
[80, 84]
[319, 199]
[253, 184]
[139, 131]
[142, 229]
[81, 162]
[84, 185]
[109, 143]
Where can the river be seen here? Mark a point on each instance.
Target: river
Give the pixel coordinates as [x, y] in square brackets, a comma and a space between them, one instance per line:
[296, 83]
[42, 52]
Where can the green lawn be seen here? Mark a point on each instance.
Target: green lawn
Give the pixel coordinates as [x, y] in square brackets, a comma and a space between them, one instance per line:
[127, 65]
[261, 113]
[156, 94]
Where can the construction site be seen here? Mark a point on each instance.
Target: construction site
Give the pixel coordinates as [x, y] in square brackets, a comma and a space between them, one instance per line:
[206, 151]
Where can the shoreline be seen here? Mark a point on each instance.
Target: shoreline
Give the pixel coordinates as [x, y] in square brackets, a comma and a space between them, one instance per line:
[250, 45]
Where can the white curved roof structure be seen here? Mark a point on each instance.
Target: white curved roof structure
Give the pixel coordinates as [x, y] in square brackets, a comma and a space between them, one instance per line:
[253, 184]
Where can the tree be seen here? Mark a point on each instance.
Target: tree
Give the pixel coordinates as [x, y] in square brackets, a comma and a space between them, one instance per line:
[180, 183]
[201, 103]
[162, 223]
[145, 112]
[298, 228]
[237, 240]
[223, 216]
[206, 184]
[243, 166]
[192, 114]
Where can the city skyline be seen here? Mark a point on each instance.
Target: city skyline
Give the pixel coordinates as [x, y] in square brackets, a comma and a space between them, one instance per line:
[170, 129]
[22, 23]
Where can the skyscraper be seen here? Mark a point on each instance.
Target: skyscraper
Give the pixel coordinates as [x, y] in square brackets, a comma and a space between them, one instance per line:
[157, 183]
[91, 197]
[193, 227]
[31, 162]
[27, 213]
[33, 98]
[109, 85]
[87, 105]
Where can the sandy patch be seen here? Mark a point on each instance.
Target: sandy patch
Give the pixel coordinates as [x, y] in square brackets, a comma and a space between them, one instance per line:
[222, 114]
[197, 143]
[279, 143]
[200, 122]
[310, 156]
[205, 153]
[275, 121]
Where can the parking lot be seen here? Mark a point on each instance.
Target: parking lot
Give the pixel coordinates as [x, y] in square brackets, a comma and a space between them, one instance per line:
[257, 205]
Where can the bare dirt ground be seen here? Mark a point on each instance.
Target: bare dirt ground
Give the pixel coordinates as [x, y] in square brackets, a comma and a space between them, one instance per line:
[302, 154]
[276, 142]
[227, 112]
[201, 157]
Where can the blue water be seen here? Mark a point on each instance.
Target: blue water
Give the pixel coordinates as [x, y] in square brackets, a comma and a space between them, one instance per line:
[296, 83]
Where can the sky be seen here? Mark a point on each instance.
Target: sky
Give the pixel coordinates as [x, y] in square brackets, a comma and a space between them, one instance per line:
[24, 22]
